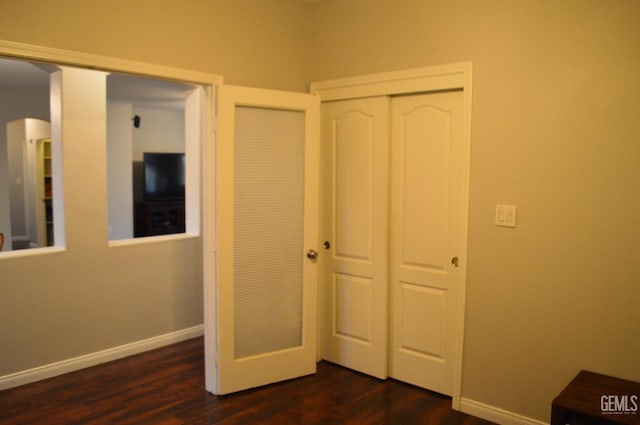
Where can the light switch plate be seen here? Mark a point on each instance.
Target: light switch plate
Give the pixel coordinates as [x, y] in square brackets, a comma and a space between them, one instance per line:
[506, 215]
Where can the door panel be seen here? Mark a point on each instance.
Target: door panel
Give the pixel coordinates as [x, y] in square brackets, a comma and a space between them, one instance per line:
[424, 304]
[352, 303]
[425, 174]
[426, 196]
[268, 230]
[353, 197]
[267, 220]
[355, 224]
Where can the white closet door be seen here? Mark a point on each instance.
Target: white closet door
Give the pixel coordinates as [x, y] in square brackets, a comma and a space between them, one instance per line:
[267, 221]
[354, 276]
[426, 194]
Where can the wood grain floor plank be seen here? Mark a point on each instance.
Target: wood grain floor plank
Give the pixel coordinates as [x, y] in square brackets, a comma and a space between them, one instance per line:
[166, 387]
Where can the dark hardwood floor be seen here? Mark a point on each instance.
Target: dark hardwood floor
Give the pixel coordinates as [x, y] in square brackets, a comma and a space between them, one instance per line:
[166, 387]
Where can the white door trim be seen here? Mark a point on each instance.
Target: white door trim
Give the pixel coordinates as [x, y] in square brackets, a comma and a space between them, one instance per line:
[420, 80]
[105, 63]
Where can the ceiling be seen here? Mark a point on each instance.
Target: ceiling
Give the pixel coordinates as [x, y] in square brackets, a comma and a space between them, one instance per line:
[141, 91]
[22, 75]
[144, 91]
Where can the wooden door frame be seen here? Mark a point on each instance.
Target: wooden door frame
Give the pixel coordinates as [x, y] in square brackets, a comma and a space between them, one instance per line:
[457, 76]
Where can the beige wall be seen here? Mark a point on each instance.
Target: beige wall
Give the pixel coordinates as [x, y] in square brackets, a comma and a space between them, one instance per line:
[93, 297]
[250, 42]
[555, 131]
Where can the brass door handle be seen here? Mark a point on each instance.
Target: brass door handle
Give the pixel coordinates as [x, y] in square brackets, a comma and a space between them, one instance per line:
[312, 254]
[455, 261]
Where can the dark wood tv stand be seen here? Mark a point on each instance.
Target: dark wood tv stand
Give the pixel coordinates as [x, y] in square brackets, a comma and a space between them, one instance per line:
[159, 218]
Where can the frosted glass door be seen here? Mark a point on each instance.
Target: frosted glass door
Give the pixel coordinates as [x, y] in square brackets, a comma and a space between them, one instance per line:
[266, 222]
[268, 230]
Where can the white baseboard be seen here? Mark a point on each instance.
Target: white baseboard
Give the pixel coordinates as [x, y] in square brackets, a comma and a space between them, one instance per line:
[77, 363]
[495, 414]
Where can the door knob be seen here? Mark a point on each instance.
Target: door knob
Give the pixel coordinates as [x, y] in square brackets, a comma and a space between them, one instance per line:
[312, 254]
[326, 244]
[455, 261]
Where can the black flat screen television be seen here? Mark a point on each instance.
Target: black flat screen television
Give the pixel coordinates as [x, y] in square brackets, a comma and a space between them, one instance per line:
[163, 176]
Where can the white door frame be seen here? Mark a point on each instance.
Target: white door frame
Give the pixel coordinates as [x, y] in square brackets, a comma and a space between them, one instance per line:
[420, 80]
